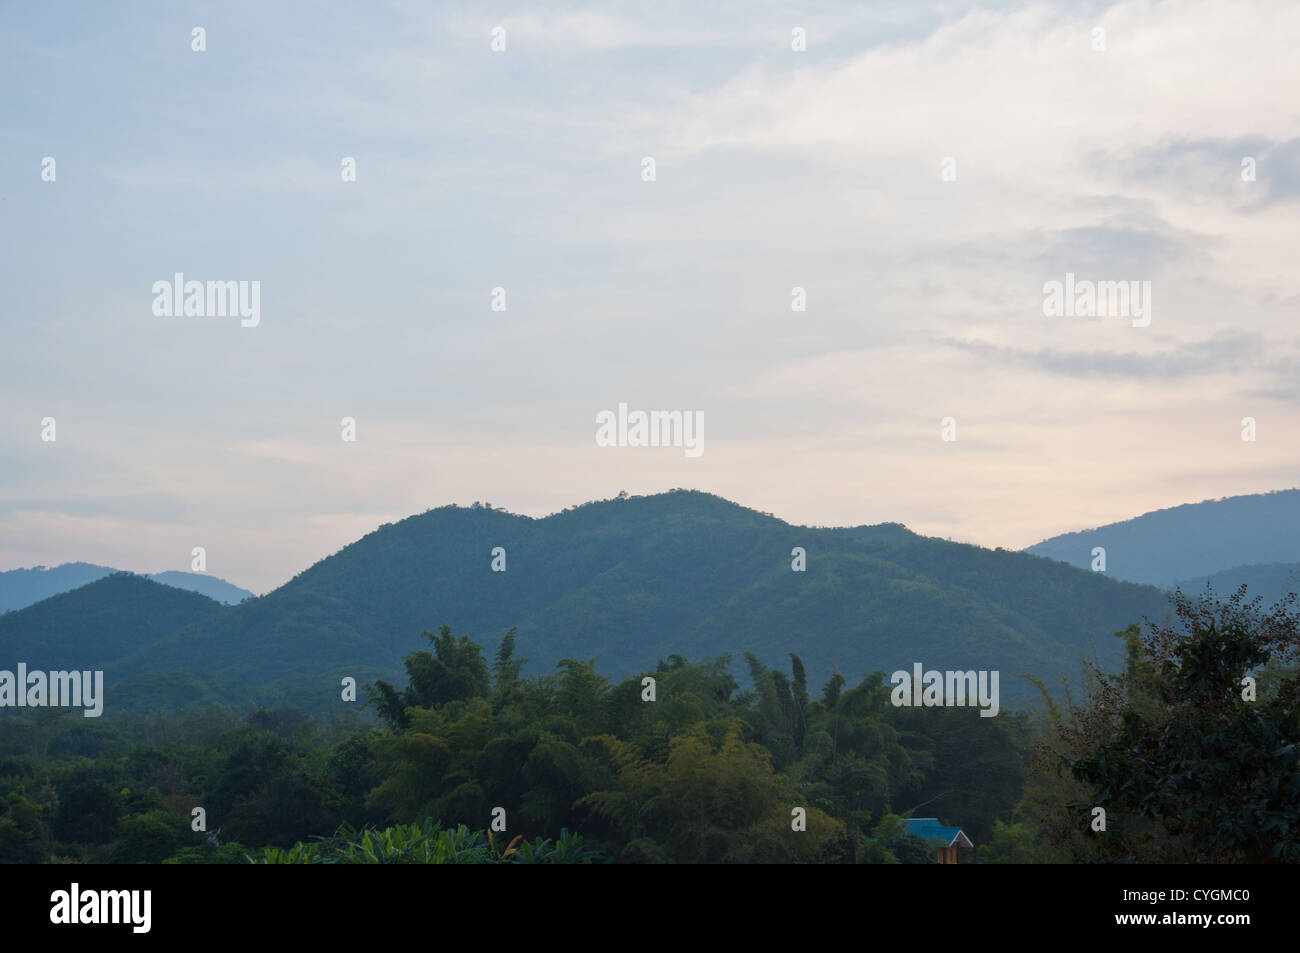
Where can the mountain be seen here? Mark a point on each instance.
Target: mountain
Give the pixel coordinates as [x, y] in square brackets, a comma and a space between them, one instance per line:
[1272, 582]
[1189, 541]
[95, 626]
[213, 587]
[22, 587]
[630, 582]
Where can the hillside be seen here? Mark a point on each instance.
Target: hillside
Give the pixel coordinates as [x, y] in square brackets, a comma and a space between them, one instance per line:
[20, 588]
[97, 625]
[630, 582]
[1189, 541]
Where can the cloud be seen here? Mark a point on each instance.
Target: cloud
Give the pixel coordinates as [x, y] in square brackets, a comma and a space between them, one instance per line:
[1247, 172]
[819, 169]
[1226, 352]
[1119, 252]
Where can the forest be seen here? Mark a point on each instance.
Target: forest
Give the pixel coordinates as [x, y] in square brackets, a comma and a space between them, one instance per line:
[1188, 751]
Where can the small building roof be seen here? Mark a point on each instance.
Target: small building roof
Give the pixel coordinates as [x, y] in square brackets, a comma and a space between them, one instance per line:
[929, 829]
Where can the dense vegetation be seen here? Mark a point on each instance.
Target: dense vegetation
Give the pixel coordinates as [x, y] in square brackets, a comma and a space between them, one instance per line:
[1186, 767]
[583, 768]
[623, 581]
[1192, 750]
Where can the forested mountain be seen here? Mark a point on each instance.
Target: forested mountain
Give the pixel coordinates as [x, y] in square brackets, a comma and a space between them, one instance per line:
[627, 581]
[95, 626]
[20, 588]
[1185, 542]
[705, 761]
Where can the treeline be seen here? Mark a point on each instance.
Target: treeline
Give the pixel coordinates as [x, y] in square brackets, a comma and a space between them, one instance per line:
[1190, 753]
[704, 772]
[686, 767]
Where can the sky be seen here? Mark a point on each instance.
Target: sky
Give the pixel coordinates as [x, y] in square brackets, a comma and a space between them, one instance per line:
[921, 170]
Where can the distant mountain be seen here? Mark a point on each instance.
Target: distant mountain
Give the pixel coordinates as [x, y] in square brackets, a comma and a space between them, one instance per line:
[22, 587]
[1272, 582]
[629, 581]
[213, 587]
[1189, 541]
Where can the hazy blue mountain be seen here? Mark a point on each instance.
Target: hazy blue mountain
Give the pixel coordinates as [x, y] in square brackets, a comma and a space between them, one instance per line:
[1272, 582]
[1189, 541]
[22, 587]
[630, 582]
[211, 586]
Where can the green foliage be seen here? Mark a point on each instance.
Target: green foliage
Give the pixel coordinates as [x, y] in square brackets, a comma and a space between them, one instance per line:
[707, 804]
[568, 849]
[88, 812]
[1186, 767]
[24, 837]
[505, 671]
[973, 765]
[455, 671]
[891, 834]
[1017, 843]
[428, 843]
[149, 838]
[703, 774]
[232, 853]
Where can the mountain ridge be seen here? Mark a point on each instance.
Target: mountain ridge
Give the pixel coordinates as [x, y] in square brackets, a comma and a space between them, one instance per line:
[1189, 541]
[636, 579]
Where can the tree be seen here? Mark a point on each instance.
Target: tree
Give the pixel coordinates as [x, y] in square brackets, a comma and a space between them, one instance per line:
[799, 696]
[88, 812]
[150, 838]
[454, 671]
[891, 834]
[708, 805]
[23, 836]
[1187, 765]
[506, 669]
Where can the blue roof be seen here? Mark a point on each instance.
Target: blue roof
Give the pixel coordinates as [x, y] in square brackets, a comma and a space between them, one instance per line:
[929, 829]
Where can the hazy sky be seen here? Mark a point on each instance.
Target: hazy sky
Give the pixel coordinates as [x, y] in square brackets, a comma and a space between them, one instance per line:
[523, 169]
